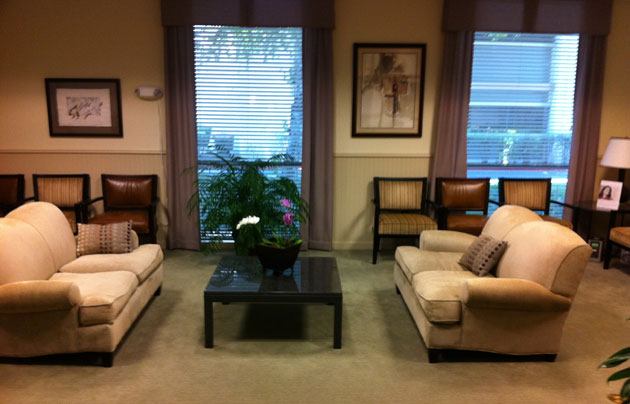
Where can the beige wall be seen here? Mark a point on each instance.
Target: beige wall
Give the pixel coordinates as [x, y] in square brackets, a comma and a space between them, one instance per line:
[124, 39]
[87, 39]
[358, 160]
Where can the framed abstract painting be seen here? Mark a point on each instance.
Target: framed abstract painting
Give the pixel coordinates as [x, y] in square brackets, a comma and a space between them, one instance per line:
[84, 107]
[388, 90]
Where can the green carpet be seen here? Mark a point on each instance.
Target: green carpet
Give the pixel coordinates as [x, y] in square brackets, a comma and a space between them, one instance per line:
[280, 354]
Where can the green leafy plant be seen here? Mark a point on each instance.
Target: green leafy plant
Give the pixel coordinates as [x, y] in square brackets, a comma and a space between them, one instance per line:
[237, 189]
[615, 360]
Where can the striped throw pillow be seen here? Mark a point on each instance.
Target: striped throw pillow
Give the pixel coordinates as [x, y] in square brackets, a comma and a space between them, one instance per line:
[112, 238]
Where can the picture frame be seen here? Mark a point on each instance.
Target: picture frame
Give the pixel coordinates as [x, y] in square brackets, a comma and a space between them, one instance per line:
[84, 107]
[609, 194]
[388, 89]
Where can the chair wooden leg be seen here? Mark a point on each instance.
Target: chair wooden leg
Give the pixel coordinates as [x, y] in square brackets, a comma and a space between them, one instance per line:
[607, 254]
[375, 248]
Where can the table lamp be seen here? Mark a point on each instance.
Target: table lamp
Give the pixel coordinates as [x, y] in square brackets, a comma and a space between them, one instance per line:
[617, 155]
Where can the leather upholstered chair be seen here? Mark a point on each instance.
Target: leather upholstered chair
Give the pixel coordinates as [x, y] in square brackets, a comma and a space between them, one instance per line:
[66, 191]
[128, 197]
[456, 198]
[531, 193]
[399, 209]
[11, 192]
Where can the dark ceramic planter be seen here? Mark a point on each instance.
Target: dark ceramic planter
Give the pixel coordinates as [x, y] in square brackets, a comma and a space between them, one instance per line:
[277, 259]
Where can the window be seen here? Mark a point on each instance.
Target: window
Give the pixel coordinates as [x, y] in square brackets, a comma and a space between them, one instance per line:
[248, 87]
[520, 121]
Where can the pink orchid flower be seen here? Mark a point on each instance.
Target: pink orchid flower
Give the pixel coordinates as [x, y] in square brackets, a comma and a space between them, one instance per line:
[287, 218]
[285, 202]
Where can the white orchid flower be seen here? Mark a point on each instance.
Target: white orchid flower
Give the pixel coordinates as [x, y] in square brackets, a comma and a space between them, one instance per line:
[247, 220]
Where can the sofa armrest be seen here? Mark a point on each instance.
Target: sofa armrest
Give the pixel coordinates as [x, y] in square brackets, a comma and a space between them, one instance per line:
[512, 294]
[445, 240]
[38, 296]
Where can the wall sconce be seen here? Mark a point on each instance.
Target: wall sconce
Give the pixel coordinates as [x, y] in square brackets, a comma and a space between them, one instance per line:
[149, 93]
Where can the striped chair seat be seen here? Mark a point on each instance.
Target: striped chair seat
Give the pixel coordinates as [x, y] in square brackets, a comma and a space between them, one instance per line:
[405, 223]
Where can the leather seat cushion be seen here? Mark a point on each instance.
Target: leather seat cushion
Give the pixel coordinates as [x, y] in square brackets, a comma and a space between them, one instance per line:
[404, 223]
[439, 294]
[72, 219]
[103, 295]
[139, 219]
[471, 224]
[558, 220]
[142, 262]
[620, 235]
[412, 261]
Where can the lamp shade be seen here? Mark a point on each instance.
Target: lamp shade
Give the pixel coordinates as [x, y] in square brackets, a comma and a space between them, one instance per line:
[617, 153]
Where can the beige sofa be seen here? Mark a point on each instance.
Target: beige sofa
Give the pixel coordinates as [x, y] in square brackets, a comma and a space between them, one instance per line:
[521, 311]
[52, 302]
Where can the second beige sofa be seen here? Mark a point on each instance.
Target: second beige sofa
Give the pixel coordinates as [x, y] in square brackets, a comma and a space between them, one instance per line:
[519, 311]
[52, 302]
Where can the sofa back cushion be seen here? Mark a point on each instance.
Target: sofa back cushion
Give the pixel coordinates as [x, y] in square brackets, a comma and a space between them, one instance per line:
[53, 227]
[546, 253]
[24, 254]
[506, 218]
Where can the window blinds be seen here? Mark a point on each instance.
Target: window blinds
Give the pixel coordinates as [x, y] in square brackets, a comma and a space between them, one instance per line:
[520, 120]
[248, 88]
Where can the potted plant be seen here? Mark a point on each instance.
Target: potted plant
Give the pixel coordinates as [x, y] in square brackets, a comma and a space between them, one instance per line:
[614, 360]
[238, 192]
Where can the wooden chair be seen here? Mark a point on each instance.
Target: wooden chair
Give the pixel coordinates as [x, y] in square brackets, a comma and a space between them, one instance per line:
[457, 198]
[66, 191]
[11, 192]
[399, 209]
[531, 193]
[127, 197]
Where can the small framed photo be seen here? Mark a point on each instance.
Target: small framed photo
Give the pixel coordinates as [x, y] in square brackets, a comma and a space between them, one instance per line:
[597, 245]
[609, 194]
[388, 90]
[84, 107]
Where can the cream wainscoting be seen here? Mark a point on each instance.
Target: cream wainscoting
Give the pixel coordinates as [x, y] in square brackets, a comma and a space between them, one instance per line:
[354, 211]
[93, 162]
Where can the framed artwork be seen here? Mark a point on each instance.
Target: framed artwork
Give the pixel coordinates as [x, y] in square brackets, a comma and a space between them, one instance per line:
[388, 90]
[84, 107]
[609, 194]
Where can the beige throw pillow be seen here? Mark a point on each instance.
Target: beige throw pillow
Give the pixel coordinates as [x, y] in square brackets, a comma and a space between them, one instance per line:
[483, 255]
[112, 238]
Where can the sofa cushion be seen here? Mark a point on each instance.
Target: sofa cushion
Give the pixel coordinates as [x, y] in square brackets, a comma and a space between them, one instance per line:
[439, 294]
[412, 261]
[24, 254]
[103, 295]
[112, 238]
[142, 261]
[483, 255]
[54, 228]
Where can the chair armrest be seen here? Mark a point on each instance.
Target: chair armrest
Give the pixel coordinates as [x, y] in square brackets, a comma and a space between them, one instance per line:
[492, 201]
[38, 296]
[445, 240]
[30, 198]
[512, 294]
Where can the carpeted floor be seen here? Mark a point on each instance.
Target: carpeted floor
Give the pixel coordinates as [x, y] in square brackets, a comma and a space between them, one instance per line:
[270, 354]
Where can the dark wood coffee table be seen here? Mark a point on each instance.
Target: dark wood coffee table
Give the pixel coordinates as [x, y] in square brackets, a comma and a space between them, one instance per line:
[242, 279]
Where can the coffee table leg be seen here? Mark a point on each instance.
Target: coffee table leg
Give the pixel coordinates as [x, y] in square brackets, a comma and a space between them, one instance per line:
[337, 331]
[209, 323]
